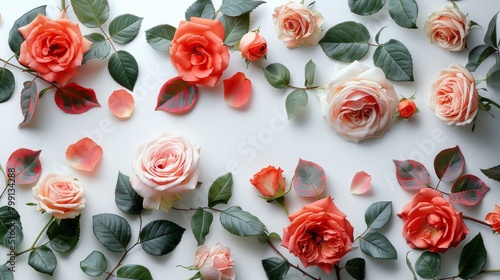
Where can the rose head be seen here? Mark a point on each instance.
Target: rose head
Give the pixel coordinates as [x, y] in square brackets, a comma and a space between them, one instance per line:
[493, 219]
[407, 108]
[197, 51]
[253, 46]
[269, 182]
[215, 263]
[53, 48]
[164, 167]
[61, 196]
[432, 223]
[447, 28]
[319, 234]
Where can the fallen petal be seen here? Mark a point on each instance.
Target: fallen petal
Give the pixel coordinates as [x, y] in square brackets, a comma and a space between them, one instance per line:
[121, 103]
[361, 183]
[237, 90]
[84, 154]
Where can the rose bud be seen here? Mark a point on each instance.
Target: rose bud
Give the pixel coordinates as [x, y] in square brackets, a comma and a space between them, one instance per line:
[406, 108]
[253, 46]
[269, 182]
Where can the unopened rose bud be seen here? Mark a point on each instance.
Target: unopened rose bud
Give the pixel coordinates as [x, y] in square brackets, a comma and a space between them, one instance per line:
[253, 46]
[407, 108]
[269, 182]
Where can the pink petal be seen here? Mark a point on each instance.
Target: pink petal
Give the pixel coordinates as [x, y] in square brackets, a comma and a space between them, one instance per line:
[84, 154]
[361, 183]
[237, 90]
[121, 103]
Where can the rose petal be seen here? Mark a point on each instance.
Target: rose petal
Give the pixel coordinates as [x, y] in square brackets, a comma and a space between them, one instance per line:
[121, 103]
[361, 183]
[237, 90]
[84, 154]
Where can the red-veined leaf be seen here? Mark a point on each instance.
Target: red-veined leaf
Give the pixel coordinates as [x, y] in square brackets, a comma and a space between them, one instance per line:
[29, 100]
[26, 165]
[121, 103]
[361, 183]
[411, 175]
[449, 164]
[237, 90]
[75, 99]
[177, 96]
[309, 179]
[468, 190]
[84, 154]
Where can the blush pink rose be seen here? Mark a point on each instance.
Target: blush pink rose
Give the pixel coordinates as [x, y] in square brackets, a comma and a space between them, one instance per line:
[253, 46]
[447, 28]
[297, 25]
[359, 102]
[164, 167]
[319, 234]
[53, 48]
[454, 96]
[61, 196]
[215, 263]
[432, 223]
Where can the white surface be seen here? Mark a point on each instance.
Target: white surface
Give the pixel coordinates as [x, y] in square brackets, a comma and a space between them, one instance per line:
[244, 141]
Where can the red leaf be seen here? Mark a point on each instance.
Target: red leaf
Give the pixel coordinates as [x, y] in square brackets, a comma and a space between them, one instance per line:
[177, 96]
[449, 164]
[26, 165]
[309, 179]
[412, 175]
[29, 100]
[121, 103]
[468, 190]
[75, 99]
[237, 90]
[84, 154]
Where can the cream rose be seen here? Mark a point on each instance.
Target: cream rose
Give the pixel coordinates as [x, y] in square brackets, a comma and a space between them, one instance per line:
[454, 96]
[447, 28]
[61, 196]
[359, 102]
[164, 167]
[215, 263]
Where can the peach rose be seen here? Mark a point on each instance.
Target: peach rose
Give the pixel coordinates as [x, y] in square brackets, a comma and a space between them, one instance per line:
[359, 102]
[53, 48]
[447, 28]
[269, 182]
[493, 219]
[215, 263]
[297, 25]
[454, 96]
[319, 234]
[253, 46]
[432, 223]
[164, 167]
[198, 52]
[406, 108]
[61, 196]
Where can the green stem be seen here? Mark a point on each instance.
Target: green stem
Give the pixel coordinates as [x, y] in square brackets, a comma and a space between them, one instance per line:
[490, 271]
[476, 220]
[281, 201]
[303, 88]
[33, 246]
[63, 4]
[289, 264]
[489, 101]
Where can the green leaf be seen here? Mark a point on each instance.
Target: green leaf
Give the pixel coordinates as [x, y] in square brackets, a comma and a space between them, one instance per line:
[428, 265]
[473, 258]
[310, 71]
[201, 9]
[43, 260]
[395, 60]
[91, 13]
[277, 75]
[15, 37]
[200, 225]
[347, 41]
[94, 264]
[356, 268]
[493, 75]
[6, 273]
[126, 198]
[134, 272]
[7, 84]
[124, 28]
[490, 37]
[221, 190]
[492, 173]
[404, 12]
[64, 235]
[241, 223]
[112, 231]
[160, 237]
[29, 100]
[378, 214]
[468, 190]
[99, 49]
[234, 8]
[449, 164]
[376, 245]
[160, 36]
[11, 233]
[124, 69]
[365, 7]
[235, 28]
[275, 268]
[294, 101]
[477, 55]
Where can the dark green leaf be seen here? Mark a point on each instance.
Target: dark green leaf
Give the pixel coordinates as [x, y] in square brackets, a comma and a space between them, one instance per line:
[124, 28]
[235, 28]
[234, 8]
[75, 99]
[449, 164]
[91, 13]
[428, 265]
[356, 268]
[404, 12]
[12, 229]
[126, 198]
[473, 258]
[241, 223]
[124, 69]
[6, 273]
[395, 60]
[112, 231]
[15, 37]
[492, 173]
[277, 75]
[468, 190]
[160, 36]
[310, 71]
[94, 264]
[43, 260]
[378, 214]
[99, 49]
[160, 237]
[221, 190]
[477, 55]
[64, 235]
[134, 272]
[490, 37]
[294, 101]
[347, 41]
[275, 268]
[201, 9]
[376, 245]
[7, 84]
[200, 225]
[29, 100]
[493, 75]
[365, 7]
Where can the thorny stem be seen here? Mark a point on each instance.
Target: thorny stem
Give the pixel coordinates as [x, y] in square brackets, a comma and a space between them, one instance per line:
[289, 264]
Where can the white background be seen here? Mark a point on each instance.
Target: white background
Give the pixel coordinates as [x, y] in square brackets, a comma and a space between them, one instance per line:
[245, 140]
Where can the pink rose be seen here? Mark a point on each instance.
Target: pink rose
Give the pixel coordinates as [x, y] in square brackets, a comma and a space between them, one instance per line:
[297, 25]
[454, 96]
[359, 102]
[164, 167]
[215, 263]
[447, 28]
[493, 219]
[61, 196]
[253, 46]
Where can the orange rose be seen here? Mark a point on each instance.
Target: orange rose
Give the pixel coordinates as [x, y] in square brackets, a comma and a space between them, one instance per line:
[253, 46]
[198, 51]
[432, 223]
[493, 219]
[407, 108]
[319, 234]
[447, 28]
[269, 182]
[53, 48]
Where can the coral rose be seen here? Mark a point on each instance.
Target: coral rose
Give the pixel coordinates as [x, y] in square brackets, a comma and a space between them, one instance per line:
[493, 219]
[319, 234]
[447, 28]
[61, 196]
[253, 46]
[406, 108]
[215, 263]
[432, 223]
[164, 167]
[53, 48]
[198, 52]
[454, 96]
[269, 182]
[359, 102]
[297, 25]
